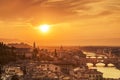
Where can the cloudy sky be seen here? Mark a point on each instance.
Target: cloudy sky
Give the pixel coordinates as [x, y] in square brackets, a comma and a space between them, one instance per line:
[73, 22]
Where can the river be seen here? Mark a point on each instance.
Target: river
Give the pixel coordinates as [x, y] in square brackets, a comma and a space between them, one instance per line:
[108, 72]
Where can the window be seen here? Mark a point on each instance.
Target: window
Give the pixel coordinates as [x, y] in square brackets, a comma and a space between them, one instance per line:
[48, 69]
[89, 75]
[56, 68]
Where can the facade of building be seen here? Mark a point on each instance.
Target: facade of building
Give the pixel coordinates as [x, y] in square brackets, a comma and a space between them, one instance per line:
[93, 74]
[50, 67]
[21, 49]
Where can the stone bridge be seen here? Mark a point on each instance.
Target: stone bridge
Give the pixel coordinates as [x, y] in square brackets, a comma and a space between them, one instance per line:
[84, 61]
[94, 61]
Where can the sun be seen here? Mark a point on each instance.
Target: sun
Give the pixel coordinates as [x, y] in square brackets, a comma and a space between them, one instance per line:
[44, 28]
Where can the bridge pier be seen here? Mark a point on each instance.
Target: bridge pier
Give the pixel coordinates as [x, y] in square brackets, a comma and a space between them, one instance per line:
[106, 64]
[94, 64]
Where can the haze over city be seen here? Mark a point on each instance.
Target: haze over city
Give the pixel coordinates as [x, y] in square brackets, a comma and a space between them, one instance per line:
[59, 39]
[70, 22]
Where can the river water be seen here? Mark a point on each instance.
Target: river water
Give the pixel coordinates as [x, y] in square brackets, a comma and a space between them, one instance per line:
[108, 72]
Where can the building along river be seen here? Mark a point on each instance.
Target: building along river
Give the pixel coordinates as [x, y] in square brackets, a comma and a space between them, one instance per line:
[108, 72]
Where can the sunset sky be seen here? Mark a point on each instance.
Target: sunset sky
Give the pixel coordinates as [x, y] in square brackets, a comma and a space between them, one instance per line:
[72, 22]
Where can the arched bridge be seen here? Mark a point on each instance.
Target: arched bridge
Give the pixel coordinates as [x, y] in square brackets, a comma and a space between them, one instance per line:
[94, 61]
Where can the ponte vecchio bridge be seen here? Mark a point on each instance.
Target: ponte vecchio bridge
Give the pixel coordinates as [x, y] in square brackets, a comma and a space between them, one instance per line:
[103, 60]
[83, 61]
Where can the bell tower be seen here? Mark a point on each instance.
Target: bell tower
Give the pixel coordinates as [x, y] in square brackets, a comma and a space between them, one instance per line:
[34, 45]
[35, 51]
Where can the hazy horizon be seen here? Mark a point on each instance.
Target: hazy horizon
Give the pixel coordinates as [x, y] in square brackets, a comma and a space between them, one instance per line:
[9, 41]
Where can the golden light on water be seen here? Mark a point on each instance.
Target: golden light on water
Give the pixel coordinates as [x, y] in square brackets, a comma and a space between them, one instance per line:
[44, 28]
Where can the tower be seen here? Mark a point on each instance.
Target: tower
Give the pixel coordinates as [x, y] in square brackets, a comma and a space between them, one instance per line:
[35, 50]
[34, 45]
[61, 48]
[110, 53]
[55, 53]
[61, 52]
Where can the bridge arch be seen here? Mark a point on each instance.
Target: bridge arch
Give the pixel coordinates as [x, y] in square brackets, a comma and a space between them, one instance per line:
[90, 64]
[95, 64]
[100, 64]
[111, 65]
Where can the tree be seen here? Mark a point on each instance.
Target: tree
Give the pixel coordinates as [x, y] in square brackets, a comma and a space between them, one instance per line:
[6, 54]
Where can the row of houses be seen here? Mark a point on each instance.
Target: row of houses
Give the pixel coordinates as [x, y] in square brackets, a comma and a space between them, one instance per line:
[53, 71]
